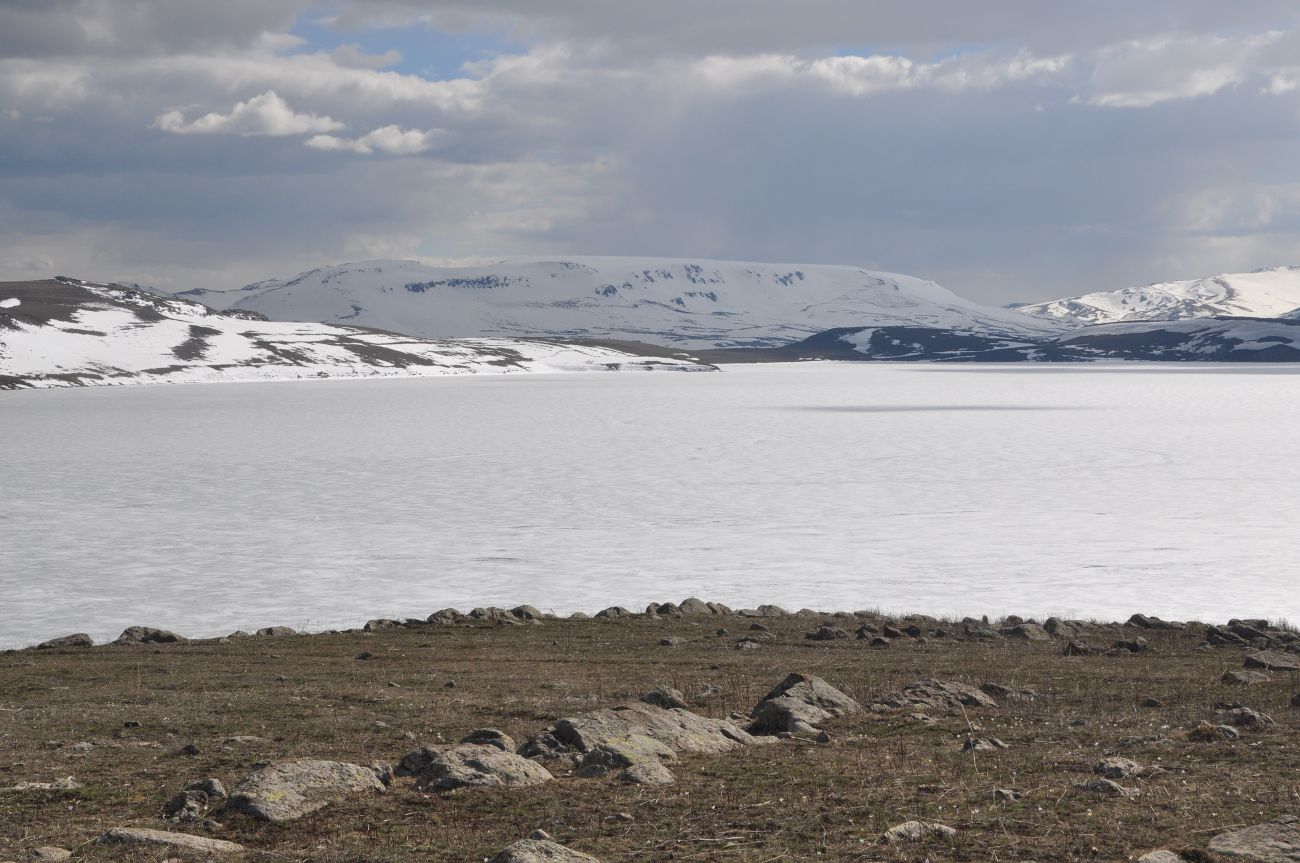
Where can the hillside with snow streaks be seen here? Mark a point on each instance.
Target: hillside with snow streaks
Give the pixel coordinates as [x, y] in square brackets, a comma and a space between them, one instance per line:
[66, 332]
[1262, 294]
[666, 301]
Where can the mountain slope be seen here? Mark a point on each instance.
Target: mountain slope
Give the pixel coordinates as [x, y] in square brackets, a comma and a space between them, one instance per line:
[693, 304]
[1261, 294]
[70, 333]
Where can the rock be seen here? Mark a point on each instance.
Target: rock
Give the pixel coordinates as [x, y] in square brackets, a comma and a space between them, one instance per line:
[541, 851]
[980, 632]
[381, 623]
[891, 631]
[540, 834]
[1160, 856]
[48, 854]
[1276, 841]
[1028, 632]
[446, 617]
[614, 612]
[1244, 717]
[77, 639]
[1153, 703]
[490, 737]
[179, 841]
[1104, 787]
[665, 697]
[527, 612]
[826, 633]
[671, 641]
[65, 784]
[1208, 732]
[365, 654]
[1136, 644]
[1244, 678]
[1007, 794]
[1117, 768]
[1083, 648]
[759, 627]
[748, 644]
[679, 730]
[915, 831]
[580, 615]
[148, 635]
[1141, 621]
[211, 787]
[641, 760]
[283, 791]
[798, 704]
[1272, 661]
[471, 765]
[933, 694]
[983, 744]
[276, 631]
[186, 806]
[1006, 693]
[694, 608]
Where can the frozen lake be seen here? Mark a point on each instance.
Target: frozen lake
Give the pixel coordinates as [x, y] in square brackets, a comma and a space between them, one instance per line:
[1076, 490]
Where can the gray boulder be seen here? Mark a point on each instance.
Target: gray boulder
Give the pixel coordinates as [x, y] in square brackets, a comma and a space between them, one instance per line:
[174, 841]
[666, 697]
[799, 704]
[642, 760]
[148, 635]
[276, 631]
[694, 608]
[614, 612]
[1244, 678]
[472, 765]
[1160, 856]
[934, 695]
[541, 851]
[1117, 768]
[490, 737]
[679, 730]
[77, 639]
[916, 831]
[284, 791]
[1276, 841]
[1271, 661]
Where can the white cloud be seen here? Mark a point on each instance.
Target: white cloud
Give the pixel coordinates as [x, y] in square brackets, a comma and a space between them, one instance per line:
[352, 57]
[393, 140]
[1145, 73]
[266, 114]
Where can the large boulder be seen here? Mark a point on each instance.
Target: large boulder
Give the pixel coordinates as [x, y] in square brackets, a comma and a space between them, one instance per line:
[1272, 661]
[639, 759]
[932, 694]
[694, 608]
[666, 697]
[77, 639]
[472, 765]
[1027, 632]
[147, 635]
[541, 851]
[1276, 841]
[679, 730]
[799, 704]
[169, 840]
[284, 791]
[916, 831]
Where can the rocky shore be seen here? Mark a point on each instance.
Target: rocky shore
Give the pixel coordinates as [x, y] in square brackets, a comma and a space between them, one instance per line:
[689, 730]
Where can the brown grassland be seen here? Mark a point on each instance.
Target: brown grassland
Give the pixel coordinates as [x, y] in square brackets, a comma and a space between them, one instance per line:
[310, 696]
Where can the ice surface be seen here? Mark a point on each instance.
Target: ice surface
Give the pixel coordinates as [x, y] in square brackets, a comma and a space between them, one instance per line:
[1077, 490]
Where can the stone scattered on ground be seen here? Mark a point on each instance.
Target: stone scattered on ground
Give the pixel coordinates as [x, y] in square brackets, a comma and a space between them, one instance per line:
[641, 760]
[1160, 856]
[148, 635]
[67, 783]
[275, 631]
[541, 851]
[1117, 768]
[47, 854]
[1027, 632]
[1083, 648]
[915, 831]
[1271, 661]
[671, 641]
[1152, 704]
[471, 765]
[826, 632]
[490, 737]
[666, 697]
[1007, 794]
[1008, 693]
[799, 704]
[1244, 678]
[933, 695]
[77, 639]
[1208, 732]
[1276, 841]
[983, 744]
[1105, 788]
[1245, 717]
[284, 791]
[178, 841]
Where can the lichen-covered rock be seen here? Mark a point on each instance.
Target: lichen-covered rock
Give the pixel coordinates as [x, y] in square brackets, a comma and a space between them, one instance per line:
[1276, 841]
[472, 765]
[1104, 788]
[166, 839]
[825, 632]
[799, 704]
[679, 730]
[77, 639]
[147, 635]
[1272, 661]
[1117, 768]
[1027, 632]
[614, 612]
[983, 744]
[47, 854]
[275, 631]
[935, 695]
[666, 697]
[541, 851]
[490, 737]
[1160, 856]
[284, 791]
[915, 831]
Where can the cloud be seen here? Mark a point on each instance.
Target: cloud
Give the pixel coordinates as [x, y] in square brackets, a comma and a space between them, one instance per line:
[393, 140]
[1142, 74]
[266, 114]
[351, 56]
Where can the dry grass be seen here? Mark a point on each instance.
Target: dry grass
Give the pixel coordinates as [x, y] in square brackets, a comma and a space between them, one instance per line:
[311, 696]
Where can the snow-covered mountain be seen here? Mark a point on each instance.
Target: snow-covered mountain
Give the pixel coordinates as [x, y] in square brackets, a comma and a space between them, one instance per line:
[1262, 294]
[667, 301]
[66, 332]
[1257, 340]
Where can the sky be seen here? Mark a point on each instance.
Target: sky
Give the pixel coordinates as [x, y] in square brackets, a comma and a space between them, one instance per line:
[1012, 150]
